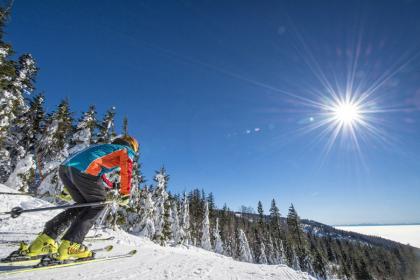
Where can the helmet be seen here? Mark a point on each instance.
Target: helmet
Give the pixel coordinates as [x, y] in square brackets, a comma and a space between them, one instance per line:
[128, 141]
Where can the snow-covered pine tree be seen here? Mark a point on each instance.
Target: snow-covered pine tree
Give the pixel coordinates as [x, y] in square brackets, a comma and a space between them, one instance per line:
[212, 205]
[275, 220]
[205, 232]
[261, 254]
[85, 131]
[167, 222]
[22, 84]
[34, 120]
[16, 79]
[56, 138]
[125, 126]
[218, 243]
[53, 149]
[32, 123]
[7, 75]
[137, 178]
[295, 260]
[146, 227]
[294, 230]
[298, 240]
[270, 251]
[107, 127]
[159, 197]
[262, 258]
[185, 234]
[244, 252]
[258, 245]
[25, 74]
[23, 174]
[25, 135]
[281, 253]
[260, 211]
[175, 223]
[137, 196]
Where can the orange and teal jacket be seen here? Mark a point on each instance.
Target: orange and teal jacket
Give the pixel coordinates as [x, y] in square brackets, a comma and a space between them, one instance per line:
[97, 160]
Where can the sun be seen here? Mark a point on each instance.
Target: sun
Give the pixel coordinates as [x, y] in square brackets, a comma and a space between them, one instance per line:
[346, 113]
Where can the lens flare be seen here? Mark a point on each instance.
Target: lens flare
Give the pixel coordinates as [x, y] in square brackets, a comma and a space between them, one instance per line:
[347, 113]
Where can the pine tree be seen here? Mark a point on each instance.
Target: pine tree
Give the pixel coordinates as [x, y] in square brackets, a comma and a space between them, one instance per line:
[260, 211]
[262, 259]
[107, 127]
[7, 66]
[26, 135]
[212, 205]
[125, 126]
[185, 234]
[205, 235]
[270, 251]
[295, 261]
[275, 219]
[281, 253]
[54, 143]
[85, 131]
[26, 71]
[53, 149]
[196, 205]
[23, 175]
[147, 226]
[244, 252]
[167, 223]
[319, 265]
[218, 243]
[293, 223]
[136, 181]
[34, 120]
[361, 272]
[297, 240]
[159, 197]
[175, 223]
[16, 80]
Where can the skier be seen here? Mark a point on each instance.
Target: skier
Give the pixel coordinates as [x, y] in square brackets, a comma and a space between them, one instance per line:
[83, 175]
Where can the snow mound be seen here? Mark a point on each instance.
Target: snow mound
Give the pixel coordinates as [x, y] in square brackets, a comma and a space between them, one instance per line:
[151, 262]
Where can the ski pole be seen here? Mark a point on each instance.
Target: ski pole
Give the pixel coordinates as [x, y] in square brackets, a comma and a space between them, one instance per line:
[17, 211]
[12, 193]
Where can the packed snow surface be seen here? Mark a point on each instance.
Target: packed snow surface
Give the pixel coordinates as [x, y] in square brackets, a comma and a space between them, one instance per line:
[151, 262]
[406, 234]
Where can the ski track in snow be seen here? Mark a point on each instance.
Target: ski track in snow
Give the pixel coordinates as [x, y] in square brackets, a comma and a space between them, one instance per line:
[151, 261]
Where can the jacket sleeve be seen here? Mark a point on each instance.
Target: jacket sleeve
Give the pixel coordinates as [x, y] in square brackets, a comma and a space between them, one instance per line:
[120, 159]
[126, 166]
[107, 181]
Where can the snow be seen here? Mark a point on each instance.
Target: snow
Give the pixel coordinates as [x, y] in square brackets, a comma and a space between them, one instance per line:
[151, 262]
[406, 234]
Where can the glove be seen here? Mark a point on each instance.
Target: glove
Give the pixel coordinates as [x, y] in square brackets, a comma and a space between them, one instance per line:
[64, 195]
[123, 200]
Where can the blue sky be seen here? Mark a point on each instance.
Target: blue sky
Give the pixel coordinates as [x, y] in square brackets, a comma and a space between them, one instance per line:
[222, 93]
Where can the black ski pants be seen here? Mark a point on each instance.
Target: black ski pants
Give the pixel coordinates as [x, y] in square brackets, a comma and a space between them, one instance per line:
[77, 221]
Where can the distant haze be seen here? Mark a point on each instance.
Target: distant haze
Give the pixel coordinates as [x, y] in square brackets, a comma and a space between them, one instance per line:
[405, 234]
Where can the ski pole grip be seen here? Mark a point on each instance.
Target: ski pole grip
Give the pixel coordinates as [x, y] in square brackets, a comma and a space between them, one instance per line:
[16, 211]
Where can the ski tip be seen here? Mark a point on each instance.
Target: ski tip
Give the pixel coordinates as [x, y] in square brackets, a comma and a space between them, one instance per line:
[109, 248]
[132, 252]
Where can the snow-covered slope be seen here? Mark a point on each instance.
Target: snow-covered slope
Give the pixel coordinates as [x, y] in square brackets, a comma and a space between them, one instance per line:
[151, 262]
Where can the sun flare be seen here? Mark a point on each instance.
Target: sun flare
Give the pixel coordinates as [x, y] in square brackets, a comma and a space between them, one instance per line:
[347, 113]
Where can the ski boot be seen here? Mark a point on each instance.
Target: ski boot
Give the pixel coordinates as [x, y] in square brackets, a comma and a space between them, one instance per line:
[41, 246]
[71, 250]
